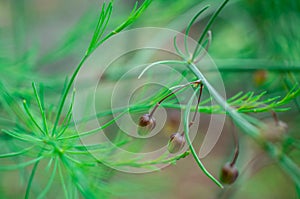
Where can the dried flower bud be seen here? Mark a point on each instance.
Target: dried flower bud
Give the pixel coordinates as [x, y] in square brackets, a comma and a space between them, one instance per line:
[146, 124]
[274, 132]
[176, 142]
[260, 77]
[229, 173]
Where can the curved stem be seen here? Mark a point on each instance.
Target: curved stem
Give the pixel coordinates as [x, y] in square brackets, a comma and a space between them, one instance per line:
[66, 92]
[232, 112]
[236, 144]
[209, 38]
[197, 106]
[196, 109]
[190, 26]
[274, 115]
[177, 48]
[186, 133]
[33, 171]
[207, 27]
[172, 93]
[39, 101]
[32, 118]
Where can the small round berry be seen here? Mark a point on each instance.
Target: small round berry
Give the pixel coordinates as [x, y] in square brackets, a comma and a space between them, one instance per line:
[146, 120]
[229, 173]
[146, 124]
[176, 142]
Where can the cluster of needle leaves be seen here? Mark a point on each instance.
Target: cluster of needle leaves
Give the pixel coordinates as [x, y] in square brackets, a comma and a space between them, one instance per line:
[41, 134]
[38, 135]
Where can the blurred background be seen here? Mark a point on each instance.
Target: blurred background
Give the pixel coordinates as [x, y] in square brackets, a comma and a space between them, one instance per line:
[43, 40]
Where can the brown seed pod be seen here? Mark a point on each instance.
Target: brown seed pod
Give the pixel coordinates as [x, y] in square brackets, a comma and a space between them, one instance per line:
[146, 124]
[274, 131]
[229, 173]
[176, 142]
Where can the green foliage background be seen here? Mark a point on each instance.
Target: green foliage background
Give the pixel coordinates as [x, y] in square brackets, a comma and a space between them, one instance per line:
[43, 42]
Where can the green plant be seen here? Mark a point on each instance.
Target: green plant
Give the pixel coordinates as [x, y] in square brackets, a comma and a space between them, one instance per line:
[42, 133]
[46, 139]
[239, 119]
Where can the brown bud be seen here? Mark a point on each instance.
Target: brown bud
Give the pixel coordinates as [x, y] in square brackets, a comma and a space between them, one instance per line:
[229, 173]
[273, 131]
[176, 142]
[260, 77]
[146, 124]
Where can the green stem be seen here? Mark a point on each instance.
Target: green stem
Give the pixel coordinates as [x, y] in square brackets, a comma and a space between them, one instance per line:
[33, 171]
[153, 162]
[237, 118]
[207, 27]
[284, 161]
[50, 180]
[65, 94]
[7, 155]
[41, 108]
[186, 133]
[32, 118]
[63, 183]
[95, 130]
